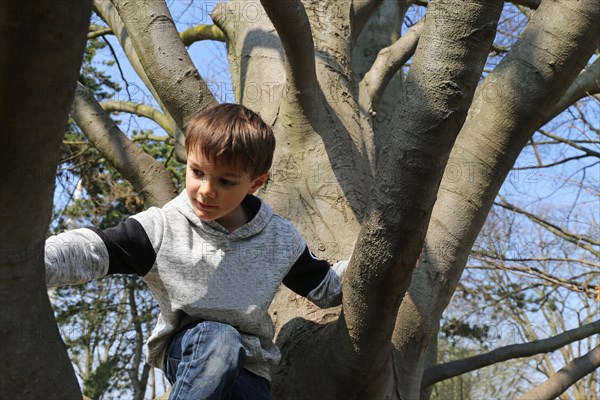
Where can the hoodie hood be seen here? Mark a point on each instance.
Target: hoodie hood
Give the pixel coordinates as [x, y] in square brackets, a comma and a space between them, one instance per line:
[261, 211]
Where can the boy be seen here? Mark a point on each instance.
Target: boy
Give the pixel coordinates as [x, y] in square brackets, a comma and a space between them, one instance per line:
[213, 258]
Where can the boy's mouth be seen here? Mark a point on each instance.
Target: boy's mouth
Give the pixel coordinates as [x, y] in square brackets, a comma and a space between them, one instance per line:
[205, 206]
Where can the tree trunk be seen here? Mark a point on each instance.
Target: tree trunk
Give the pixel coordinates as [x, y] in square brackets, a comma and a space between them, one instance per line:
[356, 349]
[41, 51]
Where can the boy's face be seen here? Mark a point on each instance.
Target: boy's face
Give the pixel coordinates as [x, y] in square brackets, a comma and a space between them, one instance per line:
[216, 192]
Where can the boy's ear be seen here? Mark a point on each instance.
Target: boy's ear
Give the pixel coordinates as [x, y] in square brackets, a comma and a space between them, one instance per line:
[259, 182]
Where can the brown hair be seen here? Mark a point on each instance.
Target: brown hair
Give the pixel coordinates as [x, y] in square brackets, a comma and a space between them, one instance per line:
[233, 136]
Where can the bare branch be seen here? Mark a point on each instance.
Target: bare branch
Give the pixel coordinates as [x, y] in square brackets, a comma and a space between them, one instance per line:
[553, 164]
[586, 84]
[143, 110]
[579, 240]
[362, 10]
[97, 31]
[105, 10]
[164, 58]
[554, 280]
[571, 143]
[202, 32]
[188, 37]
[293, 27]
[389, 61]
[539, 259]
[449, 370]
[566, 376]
[147, 176]
[397, 215]
[533, 4]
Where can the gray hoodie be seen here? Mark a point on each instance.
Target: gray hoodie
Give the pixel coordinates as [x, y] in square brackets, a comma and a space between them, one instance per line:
[198, 270]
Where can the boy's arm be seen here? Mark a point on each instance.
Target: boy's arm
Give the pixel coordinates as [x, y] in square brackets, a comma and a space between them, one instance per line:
[82, 255]
[317, 280]
[74, 257]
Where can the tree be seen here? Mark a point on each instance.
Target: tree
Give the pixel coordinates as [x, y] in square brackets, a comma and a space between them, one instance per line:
[42, 48]
[366, 162]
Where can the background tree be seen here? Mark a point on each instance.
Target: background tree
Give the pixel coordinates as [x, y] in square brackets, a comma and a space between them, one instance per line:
[367, 159]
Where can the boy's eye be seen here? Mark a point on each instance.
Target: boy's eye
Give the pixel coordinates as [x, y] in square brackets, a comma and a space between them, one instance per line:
[197, 172]
[227, 182]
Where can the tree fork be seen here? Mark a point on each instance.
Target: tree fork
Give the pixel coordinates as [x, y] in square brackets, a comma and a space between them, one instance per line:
[357, 346]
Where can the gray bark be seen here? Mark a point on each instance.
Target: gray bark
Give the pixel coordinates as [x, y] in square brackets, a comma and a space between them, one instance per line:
[558, 383]
[434, 102]
[325, 205]
[41, 48]
[586, 84]
[361, 13]
[387, 64]
[381, 32]
[148, 177]
[513, 101]
[163, 56]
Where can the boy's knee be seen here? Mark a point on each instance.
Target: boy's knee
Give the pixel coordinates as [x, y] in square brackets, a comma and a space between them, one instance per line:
[218, 337]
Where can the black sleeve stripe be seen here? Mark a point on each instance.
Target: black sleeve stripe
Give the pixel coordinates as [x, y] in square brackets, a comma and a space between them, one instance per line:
[306, 274]
[129, 248]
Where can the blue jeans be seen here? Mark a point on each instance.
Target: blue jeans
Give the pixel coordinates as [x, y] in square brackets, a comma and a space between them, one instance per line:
[206, 361]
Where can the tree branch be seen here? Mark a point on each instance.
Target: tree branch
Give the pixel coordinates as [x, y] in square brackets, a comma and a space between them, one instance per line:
[148, 177]
[586, 84]
[188, 37]
[362, 10]
[407, 177]
[509, 106]
[202, 32]
[164, 58]
[538, 259]
[388, 62]
[105, 10]
[97, 31]
[143, 110]
[293, 27]
[571, 143]
[554, 280]
[449, 370]
[552, 164]
[565, 377]
[578, 240]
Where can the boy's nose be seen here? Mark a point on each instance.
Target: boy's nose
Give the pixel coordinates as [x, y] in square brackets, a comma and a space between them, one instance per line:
[206, 188]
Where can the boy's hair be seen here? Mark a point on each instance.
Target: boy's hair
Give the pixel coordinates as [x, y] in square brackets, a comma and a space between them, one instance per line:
[233, 136]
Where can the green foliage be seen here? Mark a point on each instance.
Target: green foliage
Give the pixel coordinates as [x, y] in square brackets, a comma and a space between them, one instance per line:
[98, 382]
[455, 327]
